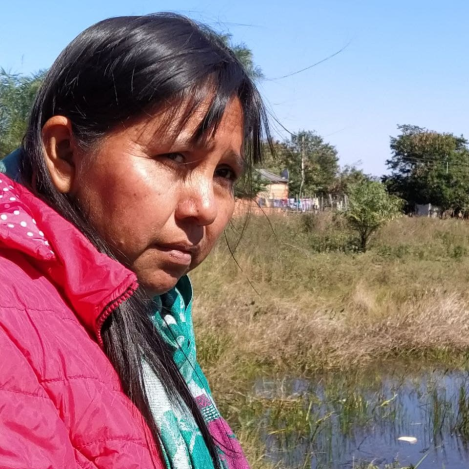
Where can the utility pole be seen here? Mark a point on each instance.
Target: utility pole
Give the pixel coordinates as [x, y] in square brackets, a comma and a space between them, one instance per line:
[302, 165]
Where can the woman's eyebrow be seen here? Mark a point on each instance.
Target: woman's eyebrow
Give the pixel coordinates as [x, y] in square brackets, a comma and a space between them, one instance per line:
[236, 157]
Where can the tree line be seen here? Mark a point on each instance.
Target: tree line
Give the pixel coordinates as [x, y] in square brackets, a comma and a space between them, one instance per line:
[425, 167]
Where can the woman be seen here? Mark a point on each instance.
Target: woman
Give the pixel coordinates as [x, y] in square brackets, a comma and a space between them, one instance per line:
[123, 184]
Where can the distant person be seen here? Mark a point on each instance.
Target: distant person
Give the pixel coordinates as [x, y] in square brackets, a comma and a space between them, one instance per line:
[123, 184]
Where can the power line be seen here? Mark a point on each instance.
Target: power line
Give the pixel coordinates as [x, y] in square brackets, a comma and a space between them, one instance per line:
[313, 65]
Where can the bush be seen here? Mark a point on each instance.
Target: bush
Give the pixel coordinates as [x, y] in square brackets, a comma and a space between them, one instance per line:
[370, 207]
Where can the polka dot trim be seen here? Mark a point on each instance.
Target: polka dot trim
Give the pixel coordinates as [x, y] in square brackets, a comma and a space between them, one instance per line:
[17, 225]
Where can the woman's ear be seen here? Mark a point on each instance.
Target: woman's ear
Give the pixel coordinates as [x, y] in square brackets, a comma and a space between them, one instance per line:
[60, 151]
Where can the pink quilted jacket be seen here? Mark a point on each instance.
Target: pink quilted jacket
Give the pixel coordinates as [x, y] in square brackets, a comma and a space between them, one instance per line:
[61, 402]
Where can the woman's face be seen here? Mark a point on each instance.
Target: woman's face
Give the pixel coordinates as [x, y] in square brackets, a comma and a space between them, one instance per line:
[158, 199]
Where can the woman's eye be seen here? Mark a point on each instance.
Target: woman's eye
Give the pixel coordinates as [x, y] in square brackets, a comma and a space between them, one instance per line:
[225, 172]
[176, 157]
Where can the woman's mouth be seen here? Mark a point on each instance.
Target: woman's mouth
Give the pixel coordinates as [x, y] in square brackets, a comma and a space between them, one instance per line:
[178, 254]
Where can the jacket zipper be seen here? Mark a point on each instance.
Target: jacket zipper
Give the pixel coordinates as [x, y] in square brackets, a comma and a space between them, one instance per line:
[110, 307]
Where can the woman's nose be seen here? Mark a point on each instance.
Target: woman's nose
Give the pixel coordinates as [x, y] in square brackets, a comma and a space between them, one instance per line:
[198, 201]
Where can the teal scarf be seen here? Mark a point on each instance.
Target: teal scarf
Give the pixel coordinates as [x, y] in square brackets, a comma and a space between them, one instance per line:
[182, 443]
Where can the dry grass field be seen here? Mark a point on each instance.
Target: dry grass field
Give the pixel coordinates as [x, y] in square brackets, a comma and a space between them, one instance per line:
[291, 296]
[295, 297]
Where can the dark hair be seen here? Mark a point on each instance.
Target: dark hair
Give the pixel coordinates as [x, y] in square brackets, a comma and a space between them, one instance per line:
[115, 71]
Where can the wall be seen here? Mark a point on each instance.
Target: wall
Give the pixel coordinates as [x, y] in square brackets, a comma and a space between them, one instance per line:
[275, 191]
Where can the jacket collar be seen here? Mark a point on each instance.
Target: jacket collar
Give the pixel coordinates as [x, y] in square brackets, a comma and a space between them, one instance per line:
[92, 283]
[10, 165]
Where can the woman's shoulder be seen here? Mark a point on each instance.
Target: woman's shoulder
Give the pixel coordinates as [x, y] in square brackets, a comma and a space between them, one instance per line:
[23, 287]
[47, 341]
[43, 332]
[36, 317]
[51, 364]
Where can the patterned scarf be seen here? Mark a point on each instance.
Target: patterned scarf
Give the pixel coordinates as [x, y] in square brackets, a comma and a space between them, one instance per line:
[182, 443]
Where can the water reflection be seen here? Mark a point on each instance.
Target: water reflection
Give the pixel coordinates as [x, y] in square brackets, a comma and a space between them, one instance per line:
[352, 420]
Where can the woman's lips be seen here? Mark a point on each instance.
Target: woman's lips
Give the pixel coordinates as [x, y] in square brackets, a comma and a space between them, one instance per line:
[177, 254]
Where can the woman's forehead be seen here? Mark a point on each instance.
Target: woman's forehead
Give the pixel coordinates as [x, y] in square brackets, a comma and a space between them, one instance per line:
[181, 124]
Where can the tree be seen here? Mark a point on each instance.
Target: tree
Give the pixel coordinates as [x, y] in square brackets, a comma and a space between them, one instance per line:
[17, 94]
[429, 167]
[244, 55]
[320, 163]
[369, 208]
[348, 177]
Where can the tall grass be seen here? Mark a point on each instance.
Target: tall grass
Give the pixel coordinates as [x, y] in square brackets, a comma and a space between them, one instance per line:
[290, 299]
[292, 296]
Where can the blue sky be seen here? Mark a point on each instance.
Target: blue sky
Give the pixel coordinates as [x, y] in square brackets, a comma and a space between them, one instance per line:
[406, 61]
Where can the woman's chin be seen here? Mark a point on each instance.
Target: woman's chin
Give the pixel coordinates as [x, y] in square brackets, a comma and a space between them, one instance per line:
[159, 283]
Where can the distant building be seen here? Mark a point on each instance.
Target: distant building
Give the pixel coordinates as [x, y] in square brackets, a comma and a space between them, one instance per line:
[427, 210]
[276, 188]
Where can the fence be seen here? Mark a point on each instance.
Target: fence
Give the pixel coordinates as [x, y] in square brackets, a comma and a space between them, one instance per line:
[264, 206]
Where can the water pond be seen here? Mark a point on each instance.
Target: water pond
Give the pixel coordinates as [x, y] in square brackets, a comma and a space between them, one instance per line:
[352, 420]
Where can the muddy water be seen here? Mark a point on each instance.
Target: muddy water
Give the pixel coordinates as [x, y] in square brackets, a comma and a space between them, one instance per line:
[350, 420]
